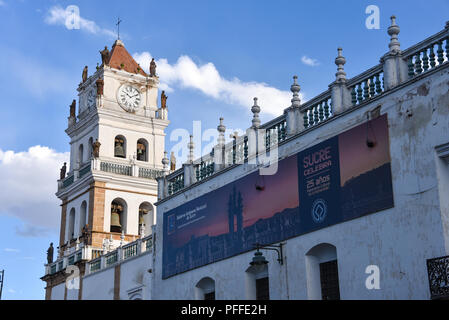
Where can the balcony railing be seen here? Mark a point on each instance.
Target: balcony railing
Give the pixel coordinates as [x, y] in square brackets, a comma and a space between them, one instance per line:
[438, 273]
[132, 249]
[114, 166]
[428, 54]
[82, 254]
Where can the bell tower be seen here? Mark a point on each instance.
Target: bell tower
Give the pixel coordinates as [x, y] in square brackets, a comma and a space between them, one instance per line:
[116, 147]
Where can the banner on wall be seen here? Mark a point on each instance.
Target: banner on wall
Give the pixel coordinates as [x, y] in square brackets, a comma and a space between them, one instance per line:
[342, 178]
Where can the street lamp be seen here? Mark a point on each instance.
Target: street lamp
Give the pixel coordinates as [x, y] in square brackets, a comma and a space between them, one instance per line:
[259, 259]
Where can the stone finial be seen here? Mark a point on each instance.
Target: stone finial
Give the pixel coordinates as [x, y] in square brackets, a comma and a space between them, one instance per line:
[340, 61]
[191, 147]
[105, 246]
[393, 31]
[111, 242]
[165, 161]
[142, 231]
[122, 238]
[295, 88]
[221, 131]
[255, 110]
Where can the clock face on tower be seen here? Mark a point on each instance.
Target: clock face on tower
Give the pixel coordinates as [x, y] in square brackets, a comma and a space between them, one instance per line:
[129, 98]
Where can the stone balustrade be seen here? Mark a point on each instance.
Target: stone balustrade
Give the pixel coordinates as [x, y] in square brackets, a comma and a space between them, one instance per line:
[83, 253]
[111, 165]
[120, 254]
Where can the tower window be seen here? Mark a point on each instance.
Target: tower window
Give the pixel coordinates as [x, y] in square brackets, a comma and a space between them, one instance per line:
[142, 147]
[117, 216]
[145, 218]
[120, 147]
[81, 153]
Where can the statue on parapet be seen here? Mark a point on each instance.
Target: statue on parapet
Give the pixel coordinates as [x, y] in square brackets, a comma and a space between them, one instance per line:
[163, 100]
[50, 254]
[72, 109]
[85, 234]
[63, 171]
[104, 55]
[152, 68]
[85, 74]
[172, 161]
[96, 149]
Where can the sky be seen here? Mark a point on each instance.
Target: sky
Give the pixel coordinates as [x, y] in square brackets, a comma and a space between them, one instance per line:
[213, 58]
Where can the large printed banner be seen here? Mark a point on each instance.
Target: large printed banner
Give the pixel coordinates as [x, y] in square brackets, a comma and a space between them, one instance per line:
[342, 178]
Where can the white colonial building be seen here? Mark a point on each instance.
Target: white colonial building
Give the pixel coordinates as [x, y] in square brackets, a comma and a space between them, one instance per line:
[344, 196]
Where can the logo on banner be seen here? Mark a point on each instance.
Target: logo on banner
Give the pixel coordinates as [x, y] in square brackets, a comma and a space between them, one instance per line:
[319, 210]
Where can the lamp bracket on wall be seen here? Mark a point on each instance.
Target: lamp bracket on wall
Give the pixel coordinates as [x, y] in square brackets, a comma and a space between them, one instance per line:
[273, 247]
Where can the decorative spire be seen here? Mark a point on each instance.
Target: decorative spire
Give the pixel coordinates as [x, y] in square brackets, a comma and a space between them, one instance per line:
[221, 131]
[393, 32]
[255, 110]
[340, 62]
[165, 161]
[191, 147]
[295, 88]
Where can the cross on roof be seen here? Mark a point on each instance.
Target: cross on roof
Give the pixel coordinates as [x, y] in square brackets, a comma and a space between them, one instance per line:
[118, 27]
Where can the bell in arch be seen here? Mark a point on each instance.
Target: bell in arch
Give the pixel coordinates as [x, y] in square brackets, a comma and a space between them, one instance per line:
[119, 150]
[142, 213]
[115, 218]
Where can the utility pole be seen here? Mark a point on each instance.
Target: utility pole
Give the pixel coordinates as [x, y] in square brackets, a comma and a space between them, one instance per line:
[2, 277]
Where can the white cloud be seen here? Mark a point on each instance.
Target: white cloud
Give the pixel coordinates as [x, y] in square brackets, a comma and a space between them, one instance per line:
[2, 3]
[310, 61]
[58, 16]
[11, 250]
[29, 186]
[206, 78]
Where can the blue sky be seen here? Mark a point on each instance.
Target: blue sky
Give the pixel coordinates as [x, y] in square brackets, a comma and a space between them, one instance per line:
[249, 47]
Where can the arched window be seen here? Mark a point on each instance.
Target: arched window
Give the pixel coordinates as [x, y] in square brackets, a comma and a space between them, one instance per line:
[145, 218]
[142, 150]
[91, 142]
[71, 225]
[322, 272]
[205, 289]
[83, 216]
[120, 147]
[81, 154]
[118, 215]
[257, 283]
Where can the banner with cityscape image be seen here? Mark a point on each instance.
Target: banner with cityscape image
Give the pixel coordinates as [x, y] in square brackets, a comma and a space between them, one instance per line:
[342, 178]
